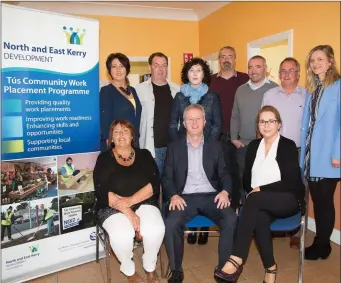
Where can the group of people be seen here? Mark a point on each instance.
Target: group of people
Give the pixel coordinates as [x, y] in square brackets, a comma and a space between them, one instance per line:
[210, 143]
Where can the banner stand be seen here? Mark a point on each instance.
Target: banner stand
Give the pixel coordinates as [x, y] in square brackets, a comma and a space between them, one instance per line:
[49, 143]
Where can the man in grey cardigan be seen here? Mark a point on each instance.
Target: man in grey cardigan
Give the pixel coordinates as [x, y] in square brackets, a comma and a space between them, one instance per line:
[246, 105]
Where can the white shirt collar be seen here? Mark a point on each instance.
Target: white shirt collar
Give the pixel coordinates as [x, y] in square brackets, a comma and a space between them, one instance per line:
[266, 81]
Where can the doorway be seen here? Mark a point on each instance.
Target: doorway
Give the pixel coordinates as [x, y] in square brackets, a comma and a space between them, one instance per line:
[274, 49]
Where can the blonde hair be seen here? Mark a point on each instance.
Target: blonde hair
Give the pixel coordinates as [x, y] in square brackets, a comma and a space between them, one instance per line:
[332, 73]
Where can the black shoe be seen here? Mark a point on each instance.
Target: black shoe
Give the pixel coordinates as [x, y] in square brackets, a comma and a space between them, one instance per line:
[192, 237]
[220, 276]
[203, 237]
[176, 277]
[317, 250]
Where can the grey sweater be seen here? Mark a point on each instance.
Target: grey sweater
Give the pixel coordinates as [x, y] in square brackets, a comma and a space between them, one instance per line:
[246, 105]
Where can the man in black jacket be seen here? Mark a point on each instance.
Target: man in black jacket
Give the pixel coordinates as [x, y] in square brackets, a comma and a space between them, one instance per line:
[196, 182]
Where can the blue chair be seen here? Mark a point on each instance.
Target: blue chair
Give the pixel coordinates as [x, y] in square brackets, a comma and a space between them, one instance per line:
[290, 224]
[200, 222]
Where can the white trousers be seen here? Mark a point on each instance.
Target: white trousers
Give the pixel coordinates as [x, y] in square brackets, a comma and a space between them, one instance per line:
[122, 233]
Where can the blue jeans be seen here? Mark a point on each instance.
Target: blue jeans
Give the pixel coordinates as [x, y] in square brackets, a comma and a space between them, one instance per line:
[50, 226]
[160, 155]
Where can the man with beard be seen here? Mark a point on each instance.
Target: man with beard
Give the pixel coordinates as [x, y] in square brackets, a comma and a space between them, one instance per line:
[225, 84]
[246, 105]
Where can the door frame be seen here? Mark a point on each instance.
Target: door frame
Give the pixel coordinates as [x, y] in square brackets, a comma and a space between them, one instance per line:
[145, 59]
[253, 47]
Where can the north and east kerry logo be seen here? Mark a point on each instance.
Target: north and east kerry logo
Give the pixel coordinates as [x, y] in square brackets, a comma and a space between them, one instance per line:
[34, 248]
[74, 36]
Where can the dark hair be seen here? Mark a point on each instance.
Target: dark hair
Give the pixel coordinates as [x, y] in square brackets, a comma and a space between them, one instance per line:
[269, 108]
[69, 158]
[157, 54]
[290, 59]
[196, 61]
[258, 57]
[124, 60]
[126, 124]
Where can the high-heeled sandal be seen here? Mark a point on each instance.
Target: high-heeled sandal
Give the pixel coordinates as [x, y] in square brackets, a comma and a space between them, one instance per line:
[271, 272]
[222, 276]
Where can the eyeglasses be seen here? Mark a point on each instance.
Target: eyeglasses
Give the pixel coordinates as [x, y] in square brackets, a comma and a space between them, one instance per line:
[270, 122]
[225, 57]
[285, 72]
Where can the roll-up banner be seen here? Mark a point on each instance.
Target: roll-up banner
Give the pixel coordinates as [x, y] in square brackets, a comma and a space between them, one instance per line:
[49, 141]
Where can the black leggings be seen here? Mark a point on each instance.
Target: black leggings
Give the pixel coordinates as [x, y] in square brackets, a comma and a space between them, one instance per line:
[260, 210]
[322, 195]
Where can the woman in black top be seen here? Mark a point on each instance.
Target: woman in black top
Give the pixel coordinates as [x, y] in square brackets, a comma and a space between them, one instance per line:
[118, 100]
[273, 181]
[127, 187]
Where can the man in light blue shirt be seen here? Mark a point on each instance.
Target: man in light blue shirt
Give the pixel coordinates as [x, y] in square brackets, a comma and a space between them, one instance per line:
[289, 99]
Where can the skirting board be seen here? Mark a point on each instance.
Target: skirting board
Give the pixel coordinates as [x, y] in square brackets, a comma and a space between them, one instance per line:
[335, 237]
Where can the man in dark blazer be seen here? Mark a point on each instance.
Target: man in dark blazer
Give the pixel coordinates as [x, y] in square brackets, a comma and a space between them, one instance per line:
[195, 182]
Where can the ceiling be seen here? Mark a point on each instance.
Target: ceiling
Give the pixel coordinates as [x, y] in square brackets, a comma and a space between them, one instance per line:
[200, 8]
[189, 10]
[191, 5]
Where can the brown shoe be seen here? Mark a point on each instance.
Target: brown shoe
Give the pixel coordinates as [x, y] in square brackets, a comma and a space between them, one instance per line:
[136, 278]
[152, 277]
[295, 242]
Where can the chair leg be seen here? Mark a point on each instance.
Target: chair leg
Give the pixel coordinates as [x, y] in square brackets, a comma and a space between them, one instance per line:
[161, 264]
[168, 271]
[107, 258]
[302, 238]
[164, 272]
[97, 244]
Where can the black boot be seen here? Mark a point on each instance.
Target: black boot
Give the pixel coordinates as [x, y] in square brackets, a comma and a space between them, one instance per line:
[203, 236]
[192, 237]
[318, 249]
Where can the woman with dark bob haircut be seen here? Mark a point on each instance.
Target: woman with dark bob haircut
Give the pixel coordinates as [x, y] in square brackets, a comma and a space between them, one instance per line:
[118, 100]
[196, 76]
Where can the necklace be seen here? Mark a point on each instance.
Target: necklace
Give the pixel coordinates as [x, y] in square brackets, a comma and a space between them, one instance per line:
[130, 157]
[126, 91]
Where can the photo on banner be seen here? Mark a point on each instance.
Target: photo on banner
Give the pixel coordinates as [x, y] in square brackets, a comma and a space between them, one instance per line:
[75, 173]
[28, 179]
[29, 221]
[76, 212]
